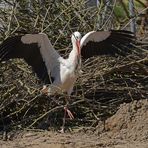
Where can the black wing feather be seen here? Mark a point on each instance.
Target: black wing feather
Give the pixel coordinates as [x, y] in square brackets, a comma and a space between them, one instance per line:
[119, 42]
[13, 47]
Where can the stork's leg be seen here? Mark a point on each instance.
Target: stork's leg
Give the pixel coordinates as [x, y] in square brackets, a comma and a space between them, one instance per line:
[66, 110]
[64, 120]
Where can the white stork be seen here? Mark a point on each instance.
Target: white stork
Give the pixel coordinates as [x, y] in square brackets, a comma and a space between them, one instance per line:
[51, 68]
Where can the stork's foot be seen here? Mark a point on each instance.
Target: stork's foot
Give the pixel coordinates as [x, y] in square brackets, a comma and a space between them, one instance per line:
[48, 90]
[44, 90]
[62, 130]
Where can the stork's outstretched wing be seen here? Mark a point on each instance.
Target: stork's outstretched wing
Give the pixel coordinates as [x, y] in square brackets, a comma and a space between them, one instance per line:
[35, 49]
[107, 42]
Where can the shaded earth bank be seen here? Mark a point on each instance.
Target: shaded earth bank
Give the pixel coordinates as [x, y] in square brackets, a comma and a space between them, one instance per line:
[128, 128]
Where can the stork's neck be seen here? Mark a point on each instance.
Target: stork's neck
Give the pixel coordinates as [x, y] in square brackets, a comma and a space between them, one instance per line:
[74, 58]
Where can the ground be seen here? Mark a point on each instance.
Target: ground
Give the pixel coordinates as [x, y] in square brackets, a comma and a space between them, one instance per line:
[128, 128]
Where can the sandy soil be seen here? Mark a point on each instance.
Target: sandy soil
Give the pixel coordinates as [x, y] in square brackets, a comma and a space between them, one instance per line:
[128, 128]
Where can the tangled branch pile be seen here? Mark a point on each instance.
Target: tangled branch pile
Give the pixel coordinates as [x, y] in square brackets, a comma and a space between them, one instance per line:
[105, 82]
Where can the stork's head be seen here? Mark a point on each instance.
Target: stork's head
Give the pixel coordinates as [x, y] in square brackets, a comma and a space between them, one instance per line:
[76, 38]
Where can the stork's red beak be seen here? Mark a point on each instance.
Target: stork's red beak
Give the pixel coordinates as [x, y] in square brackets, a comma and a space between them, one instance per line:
[78, 47]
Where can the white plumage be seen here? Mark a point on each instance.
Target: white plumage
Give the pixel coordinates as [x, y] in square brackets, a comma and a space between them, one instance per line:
[94, 36]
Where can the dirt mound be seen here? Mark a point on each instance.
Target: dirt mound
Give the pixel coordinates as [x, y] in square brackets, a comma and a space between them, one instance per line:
[130, 121]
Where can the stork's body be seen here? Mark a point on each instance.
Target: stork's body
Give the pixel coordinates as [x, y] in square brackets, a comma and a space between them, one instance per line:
[65, 71]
